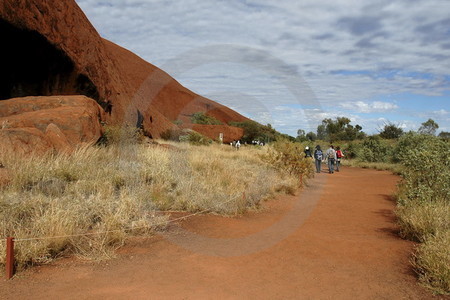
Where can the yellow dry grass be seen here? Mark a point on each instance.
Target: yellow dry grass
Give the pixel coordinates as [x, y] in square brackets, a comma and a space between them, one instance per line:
[122, 190]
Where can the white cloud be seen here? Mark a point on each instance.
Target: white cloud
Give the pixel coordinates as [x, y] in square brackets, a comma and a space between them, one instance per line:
[441, 112]
[369, 107]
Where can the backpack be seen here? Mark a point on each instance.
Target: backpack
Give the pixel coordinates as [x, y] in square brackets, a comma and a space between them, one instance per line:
[330, 155]
[339, 154]
[319, 154]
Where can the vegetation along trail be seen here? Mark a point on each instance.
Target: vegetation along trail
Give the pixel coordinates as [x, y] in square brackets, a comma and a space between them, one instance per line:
[344, 244]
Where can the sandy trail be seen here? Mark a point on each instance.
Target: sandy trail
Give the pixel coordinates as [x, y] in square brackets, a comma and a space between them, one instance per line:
[336, 240]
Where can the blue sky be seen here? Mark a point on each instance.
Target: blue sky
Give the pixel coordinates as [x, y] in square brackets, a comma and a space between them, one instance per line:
[293, 63]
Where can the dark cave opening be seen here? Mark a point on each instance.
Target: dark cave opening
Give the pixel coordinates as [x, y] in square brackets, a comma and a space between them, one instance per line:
[31, 66]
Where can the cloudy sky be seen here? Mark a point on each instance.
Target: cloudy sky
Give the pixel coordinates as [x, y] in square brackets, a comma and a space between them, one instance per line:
[293, 63]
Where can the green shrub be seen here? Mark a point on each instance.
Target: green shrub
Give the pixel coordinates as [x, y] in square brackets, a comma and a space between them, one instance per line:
[351, 151]
[409, 141]
[427, 170]
[374, 149]
[202, 118]
[195, 138]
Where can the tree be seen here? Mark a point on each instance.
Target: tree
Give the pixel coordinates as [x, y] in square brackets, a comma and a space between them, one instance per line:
[321, 132]
[339, 129]
[429, 127]
[300, 132]
[444, 135]
[311, 136]
[255, 131]
[391, 131]
[301, 136]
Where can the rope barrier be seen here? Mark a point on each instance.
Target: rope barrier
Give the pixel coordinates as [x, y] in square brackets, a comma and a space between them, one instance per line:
[117, 230]
[10, 241]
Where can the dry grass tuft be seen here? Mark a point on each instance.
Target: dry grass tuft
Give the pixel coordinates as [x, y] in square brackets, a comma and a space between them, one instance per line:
[431, 262]
[421, 220]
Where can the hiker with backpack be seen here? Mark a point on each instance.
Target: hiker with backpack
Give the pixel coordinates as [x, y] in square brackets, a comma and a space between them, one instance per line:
[307, 152]
[318, 157]
[331, 159]
[339, 156]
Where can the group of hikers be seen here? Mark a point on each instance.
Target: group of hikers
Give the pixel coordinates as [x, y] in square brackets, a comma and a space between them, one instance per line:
[333, 157]
[237, 144]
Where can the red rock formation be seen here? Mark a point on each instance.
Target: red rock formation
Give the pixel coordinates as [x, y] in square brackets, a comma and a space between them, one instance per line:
[160, 98]
[52, 49]
[39, 124]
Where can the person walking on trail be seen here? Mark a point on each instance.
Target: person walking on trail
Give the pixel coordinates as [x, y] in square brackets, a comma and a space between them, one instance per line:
[331, 159]
[318, 157]
[307, 152]
[339, 156]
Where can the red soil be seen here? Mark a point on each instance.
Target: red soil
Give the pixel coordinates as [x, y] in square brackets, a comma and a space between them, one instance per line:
[336, 240]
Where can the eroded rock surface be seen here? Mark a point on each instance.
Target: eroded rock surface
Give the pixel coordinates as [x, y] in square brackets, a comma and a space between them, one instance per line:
[39, 124]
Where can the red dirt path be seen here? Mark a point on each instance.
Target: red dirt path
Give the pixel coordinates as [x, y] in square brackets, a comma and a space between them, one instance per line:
[340, 242]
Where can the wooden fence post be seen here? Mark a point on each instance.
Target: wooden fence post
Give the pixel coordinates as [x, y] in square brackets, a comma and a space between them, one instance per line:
[9, 257]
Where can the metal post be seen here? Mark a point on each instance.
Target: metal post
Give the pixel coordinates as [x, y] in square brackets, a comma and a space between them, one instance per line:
[9, 257]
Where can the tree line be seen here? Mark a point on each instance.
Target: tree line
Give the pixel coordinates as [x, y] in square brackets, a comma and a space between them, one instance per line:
[340, 129]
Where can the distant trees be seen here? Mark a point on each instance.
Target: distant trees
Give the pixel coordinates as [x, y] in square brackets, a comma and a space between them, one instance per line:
[301, 136]
[444, 135]
[429, 127]
[391, 131]
[311, 136]
[339, 129]
[333, 130]
[321, 132]
[256, 131]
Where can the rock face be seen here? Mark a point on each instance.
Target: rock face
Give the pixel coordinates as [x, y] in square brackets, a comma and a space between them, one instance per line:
[39, 124]
[51, 48]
